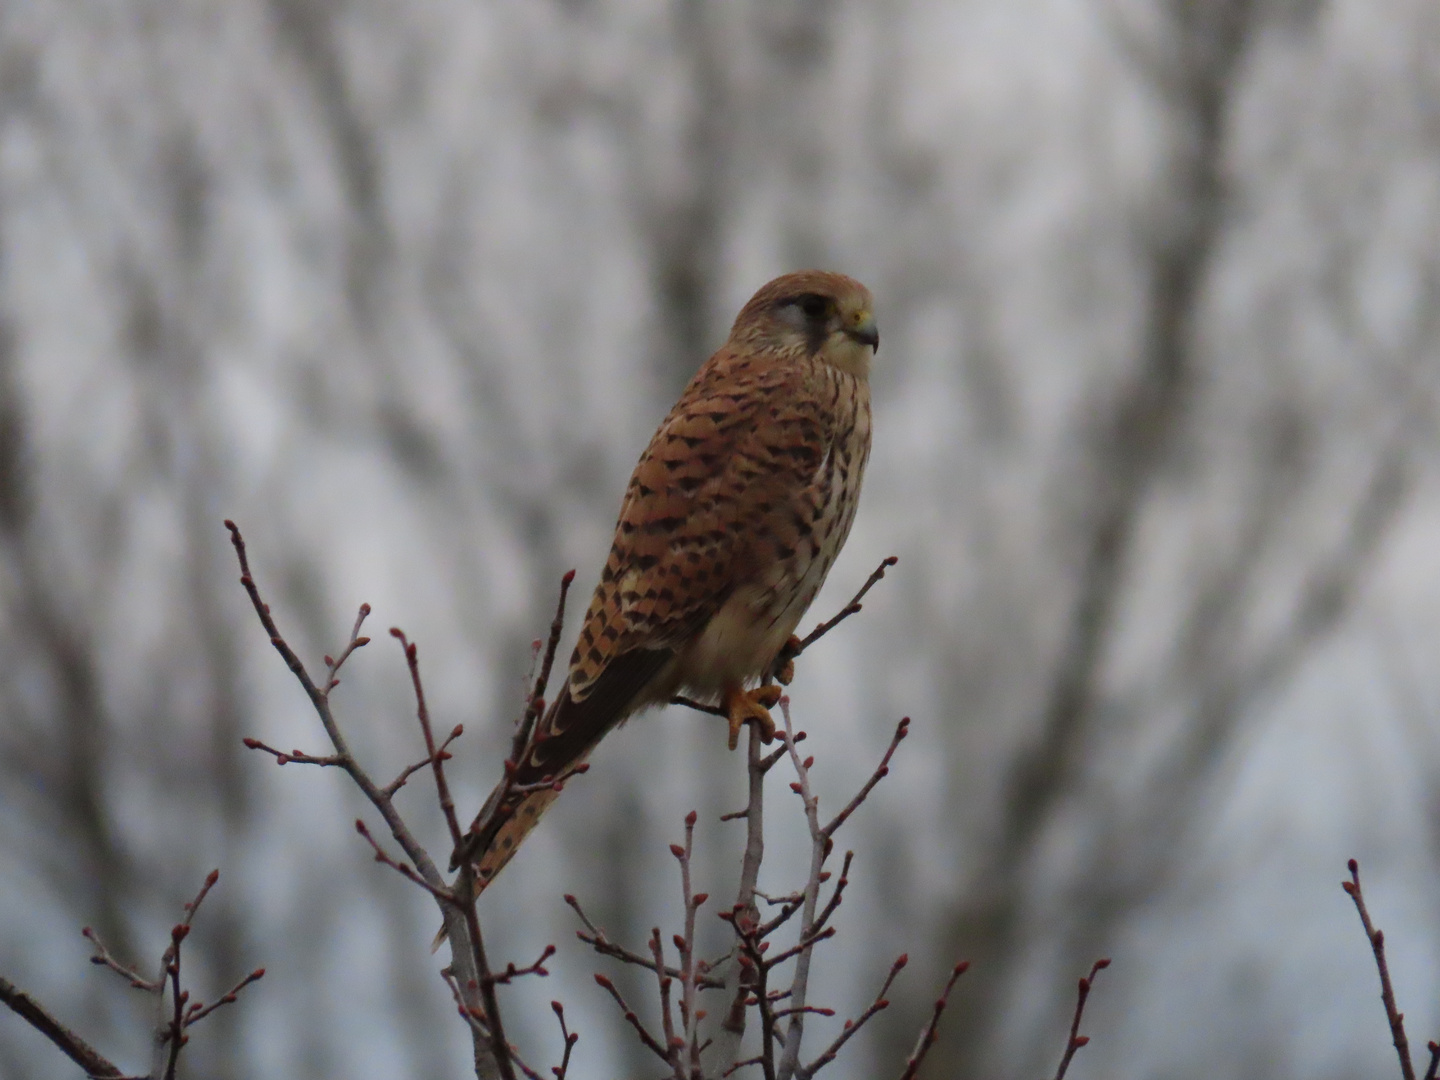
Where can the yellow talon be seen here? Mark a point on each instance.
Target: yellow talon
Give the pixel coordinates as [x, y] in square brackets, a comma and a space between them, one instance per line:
[785, 662]
[744, 707]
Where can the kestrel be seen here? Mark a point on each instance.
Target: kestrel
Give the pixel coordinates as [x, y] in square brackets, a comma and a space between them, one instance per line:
[732, 519]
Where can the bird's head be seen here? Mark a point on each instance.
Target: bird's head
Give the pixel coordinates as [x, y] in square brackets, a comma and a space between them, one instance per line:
[812, 313]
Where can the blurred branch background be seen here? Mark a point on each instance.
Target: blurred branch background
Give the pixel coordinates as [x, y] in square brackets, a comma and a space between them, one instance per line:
[405, 289]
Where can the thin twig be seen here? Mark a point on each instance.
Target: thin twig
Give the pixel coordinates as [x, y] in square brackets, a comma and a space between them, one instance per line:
[70, 1044]
[634, 1021]
[103, 958]
[511, 972]
[732, 1028]
[1076, 1040]
[819, 850]
[198, 1012]
[491, 1054]
[436, 759]
[598, 941]
[442, 894]
[689, 975]
[441, 752]
[175, 1030]
[927, 1033]
[698, 706]
[674, 1045]
[881, 771]
[570, 1039]
[1387, 992]
[535, 704]
[299, 757]
[849, 609]
[853, 1026]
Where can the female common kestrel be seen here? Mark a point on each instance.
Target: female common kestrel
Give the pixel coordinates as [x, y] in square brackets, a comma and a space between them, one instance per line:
[732, 519]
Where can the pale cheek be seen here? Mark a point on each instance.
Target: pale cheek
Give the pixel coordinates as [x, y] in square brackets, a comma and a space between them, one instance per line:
[849, 355]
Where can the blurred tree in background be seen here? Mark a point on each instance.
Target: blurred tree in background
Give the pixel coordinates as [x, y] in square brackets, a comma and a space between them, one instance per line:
[404, 290]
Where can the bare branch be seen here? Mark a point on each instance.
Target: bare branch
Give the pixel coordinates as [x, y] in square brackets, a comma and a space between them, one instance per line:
[569, 1038]
[852, 1026]
[536, 703]
[444, 895]
[634, 1021]
[491, 1050]
[1076, 1040]
[441, 753]
[1387, 992]
[104, 958]
[197, 1012]
[927, 1034]
[598, 941]
[512, 973]
[299, 757]
[436, 759]
[852, 608]
[69, 1043]
[881, 771]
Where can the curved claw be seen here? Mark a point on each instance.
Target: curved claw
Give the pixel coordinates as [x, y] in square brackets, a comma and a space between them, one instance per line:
[745, 707]
[785, 661]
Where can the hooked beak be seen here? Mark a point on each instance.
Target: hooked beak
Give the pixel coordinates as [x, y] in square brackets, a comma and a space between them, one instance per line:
[866, 332]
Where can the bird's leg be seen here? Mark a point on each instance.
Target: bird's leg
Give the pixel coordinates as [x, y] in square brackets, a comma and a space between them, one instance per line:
[784, 666]
[746, 706]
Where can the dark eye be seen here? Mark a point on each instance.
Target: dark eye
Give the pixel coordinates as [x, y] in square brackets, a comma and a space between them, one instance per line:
[814, 306]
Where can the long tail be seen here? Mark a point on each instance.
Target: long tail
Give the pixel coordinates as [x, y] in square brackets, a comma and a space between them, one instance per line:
[558, 748]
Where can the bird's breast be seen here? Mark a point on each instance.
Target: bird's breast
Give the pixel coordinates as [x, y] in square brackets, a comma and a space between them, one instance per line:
[803, 535]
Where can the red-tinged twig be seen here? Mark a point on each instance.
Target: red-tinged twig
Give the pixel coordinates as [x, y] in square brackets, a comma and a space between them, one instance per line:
[650, 1042]
[570, 1038]
[769, 761]
[492, 1054]
[473, 1015]
[881, 771]
[820, 845]
[742, 1064]
[442, 894]
[927, 1034]
[788, 898]
[197, 1012]
[102, 958]
[597, 940]
[1434, 1048]
[852, 608]
[526, 1070]
[432, 753]
[801, 946]
[813, 1010]
[442, 753]
[689, 975]
[511, 972]
[70, 1044]
[1076, 1040]
[299, 757]
[535, 703]
[793, 903]
[332, 667]
[732, 1028]
[853, 1026]
[550, 783]
[674, 1045]
[1387, 992]
[174, 1034]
